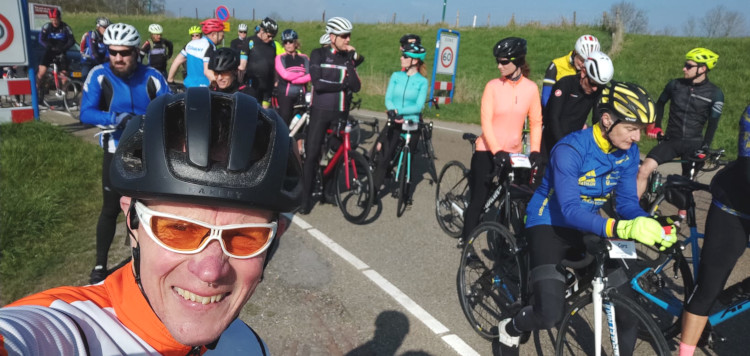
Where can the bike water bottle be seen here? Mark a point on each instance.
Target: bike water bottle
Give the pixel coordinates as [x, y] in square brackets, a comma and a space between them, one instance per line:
[295, 119]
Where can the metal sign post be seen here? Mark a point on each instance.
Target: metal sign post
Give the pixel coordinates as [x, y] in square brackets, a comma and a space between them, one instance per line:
[445, 63]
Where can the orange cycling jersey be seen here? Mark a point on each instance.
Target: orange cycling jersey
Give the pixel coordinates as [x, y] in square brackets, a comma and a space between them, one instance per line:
[505, 106]
[110, 318]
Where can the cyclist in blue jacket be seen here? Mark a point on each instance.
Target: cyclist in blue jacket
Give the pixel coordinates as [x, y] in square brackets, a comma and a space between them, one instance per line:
[113, 93]
[404, 99]
[93, 49]
[586, 168]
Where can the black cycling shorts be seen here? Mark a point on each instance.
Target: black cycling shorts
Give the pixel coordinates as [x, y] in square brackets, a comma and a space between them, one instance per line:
[668, 150]
[49, 57]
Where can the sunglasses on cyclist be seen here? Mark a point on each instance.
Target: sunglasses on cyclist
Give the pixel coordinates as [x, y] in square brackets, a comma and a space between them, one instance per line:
[503, 61]
[189, 236]
[124, 53]
[288, 41]
[346, 35]
[195, 36]
[689, 66]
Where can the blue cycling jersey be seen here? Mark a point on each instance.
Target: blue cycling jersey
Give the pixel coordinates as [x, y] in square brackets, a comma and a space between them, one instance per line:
[584, 172]
[407, 94]
[106, 95]
[197, 52]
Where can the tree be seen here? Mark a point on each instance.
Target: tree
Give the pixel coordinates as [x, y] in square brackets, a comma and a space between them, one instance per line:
[720, 22]
[691, 27]
[634, 19]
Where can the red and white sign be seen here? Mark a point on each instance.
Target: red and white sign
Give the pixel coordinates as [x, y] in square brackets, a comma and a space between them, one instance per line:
[222, 13]
[448, 53]
[444, 86]
[15, 87]
[13, 49]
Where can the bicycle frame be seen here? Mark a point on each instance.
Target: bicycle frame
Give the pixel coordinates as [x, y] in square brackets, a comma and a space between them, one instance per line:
[343, 150]
[406, 135]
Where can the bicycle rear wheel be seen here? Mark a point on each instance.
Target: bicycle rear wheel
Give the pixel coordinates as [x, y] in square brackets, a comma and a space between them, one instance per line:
[355, 195]
[404, 184]
[452, 198]
[576, 333]
[490, 278]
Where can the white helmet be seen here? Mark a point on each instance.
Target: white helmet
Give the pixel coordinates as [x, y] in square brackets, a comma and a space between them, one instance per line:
[339, 26]
[155, 28]
[242, 27]
[599, 67]
[325, 39]
[587, 44]
[122, 34]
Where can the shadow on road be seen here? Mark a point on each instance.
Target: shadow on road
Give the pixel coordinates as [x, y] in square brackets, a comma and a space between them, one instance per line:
[391, 328]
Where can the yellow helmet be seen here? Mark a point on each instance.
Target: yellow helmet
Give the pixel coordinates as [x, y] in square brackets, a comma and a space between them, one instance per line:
[629, 102]
[195, 29]
[703, 56]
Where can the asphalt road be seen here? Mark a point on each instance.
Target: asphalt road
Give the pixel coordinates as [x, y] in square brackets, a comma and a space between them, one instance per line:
[386, 287]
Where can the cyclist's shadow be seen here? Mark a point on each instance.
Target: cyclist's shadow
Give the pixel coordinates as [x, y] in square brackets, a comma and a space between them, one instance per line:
[391, 328]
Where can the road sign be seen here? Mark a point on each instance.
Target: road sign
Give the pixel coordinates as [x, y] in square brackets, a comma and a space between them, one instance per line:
[447, 52]
[222, 13]
[38, 15]
[13, 49]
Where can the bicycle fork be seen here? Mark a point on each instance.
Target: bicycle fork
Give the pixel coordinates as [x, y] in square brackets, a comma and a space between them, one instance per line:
[408, 159]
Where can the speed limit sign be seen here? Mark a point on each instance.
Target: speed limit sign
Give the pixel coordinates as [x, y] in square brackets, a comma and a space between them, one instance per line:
[447, 52]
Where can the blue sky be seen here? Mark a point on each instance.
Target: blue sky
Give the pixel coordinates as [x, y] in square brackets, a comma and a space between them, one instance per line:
[662, 14]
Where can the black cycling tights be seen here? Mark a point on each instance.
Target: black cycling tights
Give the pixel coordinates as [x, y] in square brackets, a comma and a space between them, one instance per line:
[105, 229]
[725, 241]
[286, 107]
[320, 121]
[480, 183]
[548, 247]
[388, 139]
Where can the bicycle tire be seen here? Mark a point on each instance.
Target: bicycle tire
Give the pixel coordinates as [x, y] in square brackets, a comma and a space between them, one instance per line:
[452, 198]
[672, 281]
[70, 96]
[355, 201]
[490, 278]
[576, 335]
[404, 185]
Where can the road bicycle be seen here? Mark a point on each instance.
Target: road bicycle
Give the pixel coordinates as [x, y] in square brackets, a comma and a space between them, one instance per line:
[493, 285]
[345, 173]
[452, 194]
[55, 87]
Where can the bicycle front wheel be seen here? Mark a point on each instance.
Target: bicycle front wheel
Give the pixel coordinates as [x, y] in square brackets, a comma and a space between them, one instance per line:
[576, 333]
[490, 278]
[452, 198]
[70, 96]
[354, 187]
[404, 184]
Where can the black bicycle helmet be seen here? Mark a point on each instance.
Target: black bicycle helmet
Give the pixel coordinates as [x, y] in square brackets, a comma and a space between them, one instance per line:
[414, 50]
[510, 48]
[209, 148]
[405, 39]
[269, 25]
[289, 35]
[224, 59]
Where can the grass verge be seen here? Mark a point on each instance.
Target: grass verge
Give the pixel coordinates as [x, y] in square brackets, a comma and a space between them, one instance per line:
[50, 195]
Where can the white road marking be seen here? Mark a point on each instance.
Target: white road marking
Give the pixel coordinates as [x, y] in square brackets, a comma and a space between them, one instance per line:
[455, 342]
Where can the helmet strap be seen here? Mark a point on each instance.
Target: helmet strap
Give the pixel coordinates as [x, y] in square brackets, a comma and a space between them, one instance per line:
[515, 75]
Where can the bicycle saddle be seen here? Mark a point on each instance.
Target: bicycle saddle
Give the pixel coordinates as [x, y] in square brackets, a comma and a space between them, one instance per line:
[469, 137]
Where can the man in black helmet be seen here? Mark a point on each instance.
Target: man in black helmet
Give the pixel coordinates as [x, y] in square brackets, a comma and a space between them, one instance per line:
[201, 212]
[258, 65]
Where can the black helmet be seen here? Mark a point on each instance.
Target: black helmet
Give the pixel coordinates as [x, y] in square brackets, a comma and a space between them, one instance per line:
[408, 37]
[224, 59]
[289, 35]
[269, 25]
[510, 48]
[209, 148]
[414, 50]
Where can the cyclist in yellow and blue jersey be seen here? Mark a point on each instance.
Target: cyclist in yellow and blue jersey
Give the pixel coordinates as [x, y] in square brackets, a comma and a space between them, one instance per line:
[586, 168]
[568, 64]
